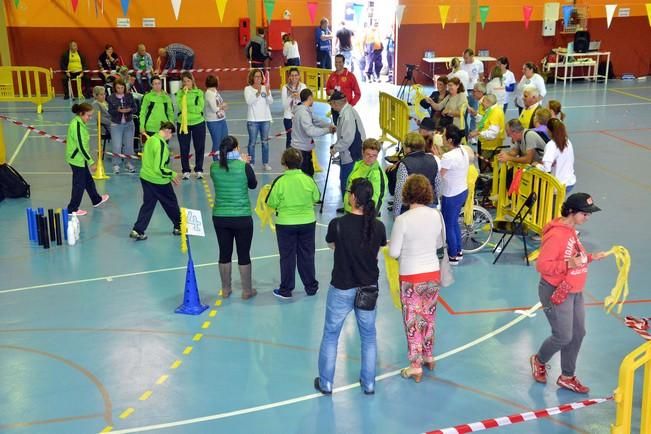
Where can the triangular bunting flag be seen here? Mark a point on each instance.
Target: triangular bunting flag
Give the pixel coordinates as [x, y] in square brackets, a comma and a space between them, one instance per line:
[527, 11]
[443, 11]
[483, 15]
[269, 6]
[125, 7]
[567, 13]
[311, 9]
[400, 10]
[221, 8]
[610, 13]
[648, 12]
[16, 2]
[176, 5]
[74, 5]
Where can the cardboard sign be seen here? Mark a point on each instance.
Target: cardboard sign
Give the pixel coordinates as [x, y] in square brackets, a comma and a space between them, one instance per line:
[194, 222]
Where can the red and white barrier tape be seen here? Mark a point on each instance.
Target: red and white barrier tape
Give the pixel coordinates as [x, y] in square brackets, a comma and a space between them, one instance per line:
[640, 326]
[173, 71]
[519, 418]
[34, 129]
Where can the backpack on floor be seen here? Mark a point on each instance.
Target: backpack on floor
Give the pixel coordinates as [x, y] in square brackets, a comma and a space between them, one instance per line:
[11, 183]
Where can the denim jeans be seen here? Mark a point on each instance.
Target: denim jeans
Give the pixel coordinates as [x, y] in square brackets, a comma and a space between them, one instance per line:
[122, 140]
[218, 130]
[344, 173]
[471, 122]
[338, 305]
[348, 59]
[450, 208]
[287, 123]
[254, 129]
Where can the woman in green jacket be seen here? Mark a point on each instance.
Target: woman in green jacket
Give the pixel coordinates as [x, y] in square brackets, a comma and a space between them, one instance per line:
[79, 159]
[369, 168]
[192, 125]
[232, 177]
[156, 107]
[157, 178]
[293, 195]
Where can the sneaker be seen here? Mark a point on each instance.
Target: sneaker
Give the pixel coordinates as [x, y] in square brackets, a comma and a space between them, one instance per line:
[267, 167]
[317, 386]
[280, 295]
[536, 237]
[116, 170]
[176, 231]
[538, 369]
[366, 391]
[80, 212]
[137, 235]
[199, 175]
[186, 176]
[105, 198]
[454, 260]
[130, 168]
[573, 384]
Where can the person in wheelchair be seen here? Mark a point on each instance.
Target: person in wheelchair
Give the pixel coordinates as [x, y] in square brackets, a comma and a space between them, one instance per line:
[527, 146]
[490, 130]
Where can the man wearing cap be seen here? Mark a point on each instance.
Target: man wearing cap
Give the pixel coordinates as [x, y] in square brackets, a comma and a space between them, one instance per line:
[343, 81]
[563, 267]
[350, 135]
[305, 128]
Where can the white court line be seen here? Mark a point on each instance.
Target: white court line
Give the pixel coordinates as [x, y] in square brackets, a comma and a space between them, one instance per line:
[138, 273]
[19, 147]
[319, 395]
[606, 105]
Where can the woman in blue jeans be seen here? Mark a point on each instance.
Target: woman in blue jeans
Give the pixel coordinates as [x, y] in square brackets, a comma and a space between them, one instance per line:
[454, 173]
[258, 98]
[356, 239]
[215, 114]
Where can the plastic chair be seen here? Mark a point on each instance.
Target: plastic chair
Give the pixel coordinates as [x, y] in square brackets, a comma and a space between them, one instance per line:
[516, 227]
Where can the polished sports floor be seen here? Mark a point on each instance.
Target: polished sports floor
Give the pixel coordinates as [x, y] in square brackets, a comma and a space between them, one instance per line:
[89, 340]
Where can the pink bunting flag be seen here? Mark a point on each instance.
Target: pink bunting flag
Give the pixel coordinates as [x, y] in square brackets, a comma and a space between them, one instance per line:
[74, 3]
[311, 9]
[527, 11]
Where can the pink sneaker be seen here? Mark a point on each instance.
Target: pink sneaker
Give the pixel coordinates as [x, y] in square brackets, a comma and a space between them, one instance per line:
[573, 384]
[105, 197]
[80, 212]
[538, 369]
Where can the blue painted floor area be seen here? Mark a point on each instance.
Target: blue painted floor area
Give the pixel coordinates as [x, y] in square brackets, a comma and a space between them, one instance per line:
[87, 331]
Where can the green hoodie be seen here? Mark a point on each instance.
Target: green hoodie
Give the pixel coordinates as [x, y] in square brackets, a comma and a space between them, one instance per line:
[155, 161]
[293, 195]
[154, 109]
[375, 175]
[77, 150]
[195, 105]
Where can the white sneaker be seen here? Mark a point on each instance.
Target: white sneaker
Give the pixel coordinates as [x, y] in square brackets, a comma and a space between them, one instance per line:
[130, 168]
[267, 167]
[199, 175]
[186, 175]
[116, 169]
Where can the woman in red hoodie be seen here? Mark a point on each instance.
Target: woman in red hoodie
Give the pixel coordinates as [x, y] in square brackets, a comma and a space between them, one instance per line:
[563, 267]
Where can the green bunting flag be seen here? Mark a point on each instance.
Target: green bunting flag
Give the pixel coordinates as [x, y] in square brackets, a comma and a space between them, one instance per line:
[483, 14]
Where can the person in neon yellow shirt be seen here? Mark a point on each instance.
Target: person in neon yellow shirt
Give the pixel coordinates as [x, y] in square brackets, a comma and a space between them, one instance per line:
[490, 129]
[531, 98]
[73, 64]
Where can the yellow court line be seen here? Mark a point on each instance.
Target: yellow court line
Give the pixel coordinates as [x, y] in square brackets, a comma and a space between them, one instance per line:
[145, 396]
[205, 324]
[107, 429]
[212, 313]
[19, 147]
[197, 337]
[176, 364]
[218, 302]
[621, 92]
[187, 350]
[162, 379]
[126, 413]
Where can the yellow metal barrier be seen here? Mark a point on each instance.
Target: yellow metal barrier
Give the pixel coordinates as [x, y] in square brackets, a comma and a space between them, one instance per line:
[26, 84]
[314, 78]
[640, 357]
[549, 191]
[394, 118]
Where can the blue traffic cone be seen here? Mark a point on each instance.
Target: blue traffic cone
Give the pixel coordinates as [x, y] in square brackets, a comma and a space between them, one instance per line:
[191, 301]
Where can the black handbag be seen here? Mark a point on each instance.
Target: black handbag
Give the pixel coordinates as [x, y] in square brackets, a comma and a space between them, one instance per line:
[366, 297]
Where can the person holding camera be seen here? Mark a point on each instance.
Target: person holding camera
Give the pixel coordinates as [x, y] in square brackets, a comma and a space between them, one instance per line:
[356, 239]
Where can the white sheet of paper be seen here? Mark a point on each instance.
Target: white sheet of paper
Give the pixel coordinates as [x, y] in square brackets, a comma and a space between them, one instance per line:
[194, 222]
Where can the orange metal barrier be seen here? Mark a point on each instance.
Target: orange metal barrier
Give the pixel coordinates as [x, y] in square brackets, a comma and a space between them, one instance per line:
[549, 191]
[638, 358]
[26, 84]
[394, 118]
[314, 78]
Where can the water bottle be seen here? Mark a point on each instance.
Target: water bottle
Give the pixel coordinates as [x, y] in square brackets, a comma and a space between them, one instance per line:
[76, 226]
[72, 240]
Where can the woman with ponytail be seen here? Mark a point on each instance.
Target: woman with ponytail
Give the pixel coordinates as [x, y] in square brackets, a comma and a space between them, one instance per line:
[356, 239]
[415, 237]
[232, 177]
[559, 155]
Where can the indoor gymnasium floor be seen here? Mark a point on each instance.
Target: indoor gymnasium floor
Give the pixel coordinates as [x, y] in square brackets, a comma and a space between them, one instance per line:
[89, 338]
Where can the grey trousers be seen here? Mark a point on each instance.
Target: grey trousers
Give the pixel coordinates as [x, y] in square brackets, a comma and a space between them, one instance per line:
[567, 321]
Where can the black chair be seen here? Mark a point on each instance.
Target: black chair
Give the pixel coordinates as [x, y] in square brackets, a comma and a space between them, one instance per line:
[516, 227]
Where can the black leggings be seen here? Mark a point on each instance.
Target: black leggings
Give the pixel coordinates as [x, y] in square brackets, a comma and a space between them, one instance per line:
[239, 229]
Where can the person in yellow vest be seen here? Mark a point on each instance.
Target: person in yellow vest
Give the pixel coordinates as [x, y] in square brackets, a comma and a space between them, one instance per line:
[490, 129]
[531, 98]
[73, 64]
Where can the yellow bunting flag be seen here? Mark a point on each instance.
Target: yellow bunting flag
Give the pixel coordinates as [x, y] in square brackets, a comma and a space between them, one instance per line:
[619, 293]
[221, 8]
[648, 12]
[392, 269]
[264, 212]
[443, 11]
[184, 230]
